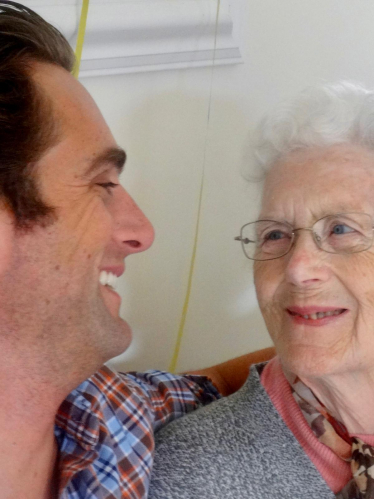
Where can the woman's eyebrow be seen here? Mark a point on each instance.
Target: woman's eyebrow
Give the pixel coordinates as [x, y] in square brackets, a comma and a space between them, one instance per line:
[114, 156]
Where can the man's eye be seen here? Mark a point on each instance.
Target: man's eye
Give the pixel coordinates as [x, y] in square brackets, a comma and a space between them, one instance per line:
[108, 186]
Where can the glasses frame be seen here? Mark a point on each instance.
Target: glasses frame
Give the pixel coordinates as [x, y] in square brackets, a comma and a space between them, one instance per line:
[316, 237]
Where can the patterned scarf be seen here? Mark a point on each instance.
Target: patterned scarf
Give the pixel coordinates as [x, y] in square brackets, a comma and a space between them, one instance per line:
[332, 433]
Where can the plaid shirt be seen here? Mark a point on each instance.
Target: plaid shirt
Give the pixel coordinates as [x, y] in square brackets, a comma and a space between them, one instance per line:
[105, 427]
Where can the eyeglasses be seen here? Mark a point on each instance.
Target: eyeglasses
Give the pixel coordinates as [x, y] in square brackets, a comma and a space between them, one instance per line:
[343, 233]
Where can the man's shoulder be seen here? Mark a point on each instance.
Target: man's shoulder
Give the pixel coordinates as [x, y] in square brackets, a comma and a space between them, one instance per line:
[157, 396]
[107, 386]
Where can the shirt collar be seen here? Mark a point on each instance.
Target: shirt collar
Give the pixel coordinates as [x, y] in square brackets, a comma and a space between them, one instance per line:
[79, 415]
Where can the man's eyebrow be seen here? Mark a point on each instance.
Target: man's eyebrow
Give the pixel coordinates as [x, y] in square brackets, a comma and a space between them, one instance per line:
[114, 156]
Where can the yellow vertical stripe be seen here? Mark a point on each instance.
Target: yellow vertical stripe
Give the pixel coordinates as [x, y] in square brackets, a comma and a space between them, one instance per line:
[80, 38]
[174, 360]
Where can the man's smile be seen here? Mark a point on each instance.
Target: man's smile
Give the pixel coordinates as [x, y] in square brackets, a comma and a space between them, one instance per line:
[108, 279]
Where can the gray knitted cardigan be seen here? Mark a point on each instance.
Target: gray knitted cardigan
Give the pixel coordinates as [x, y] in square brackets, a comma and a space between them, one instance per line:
[238, 447]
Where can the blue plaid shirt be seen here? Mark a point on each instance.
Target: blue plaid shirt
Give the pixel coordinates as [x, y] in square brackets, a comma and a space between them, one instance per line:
[105, 428]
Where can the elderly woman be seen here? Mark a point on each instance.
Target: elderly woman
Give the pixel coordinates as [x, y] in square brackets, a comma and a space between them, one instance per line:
[303, 424]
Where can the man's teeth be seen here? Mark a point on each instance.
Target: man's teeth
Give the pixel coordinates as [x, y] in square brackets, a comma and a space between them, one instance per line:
[108, 279]
[321, 315]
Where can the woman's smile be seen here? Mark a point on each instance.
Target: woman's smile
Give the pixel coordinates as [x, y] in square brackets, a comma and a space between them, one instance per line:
[315, 316]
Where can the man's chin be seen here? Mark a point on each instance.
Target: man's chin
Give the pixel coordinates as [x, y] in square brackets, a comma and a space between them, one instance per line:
[112, 300]
[118, 338]
[117, 331]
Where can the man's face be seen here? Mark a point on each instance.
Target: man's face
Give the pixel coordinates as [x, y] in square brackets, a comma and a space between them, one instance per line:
[50, 287]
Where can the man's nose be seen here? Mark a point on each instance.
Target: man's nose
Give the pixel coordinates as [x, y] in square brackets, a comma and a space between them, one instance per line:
[133, 231]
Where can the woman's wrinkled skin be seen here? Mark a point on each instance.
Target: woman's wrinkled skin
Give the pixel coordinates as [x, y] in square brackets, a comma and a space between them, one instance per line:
[336, 359]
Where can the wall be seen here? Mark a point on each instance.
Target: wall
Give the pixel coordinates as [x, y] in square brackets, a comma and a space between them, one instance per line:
[161, 119]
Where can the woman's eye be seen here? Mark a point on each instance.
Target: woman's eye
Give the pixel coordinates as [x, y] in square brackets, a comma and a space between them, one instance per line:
[108, 186]
[274, 235]
[341, 229]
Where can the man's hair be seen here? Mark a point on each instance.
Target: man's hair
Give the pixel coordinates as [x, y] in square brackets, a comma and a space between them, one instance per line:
[27, 125]
[321, 116]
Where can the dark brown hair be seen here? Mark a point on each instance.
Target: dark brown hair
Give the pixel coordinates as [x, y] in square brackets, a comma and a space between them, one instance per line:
[27, 125]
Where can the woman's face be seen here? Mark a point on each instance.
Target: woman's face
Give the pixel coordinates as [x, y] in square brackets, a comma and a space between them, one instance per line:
[303, 188]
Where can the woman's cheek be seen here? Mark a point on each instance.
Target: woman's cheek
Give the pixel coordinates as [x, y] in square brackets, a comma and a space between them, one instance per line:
[267, 280]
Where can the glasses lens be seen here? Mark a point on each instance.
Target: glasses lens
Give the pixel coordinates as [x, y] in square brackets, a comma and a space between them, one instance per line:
[266, 239]
[344, 233]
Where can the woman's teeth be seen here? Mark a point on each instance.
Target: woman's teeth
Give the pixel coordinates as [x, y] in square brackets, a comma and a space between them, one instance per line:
[108, 279]
[321, 315]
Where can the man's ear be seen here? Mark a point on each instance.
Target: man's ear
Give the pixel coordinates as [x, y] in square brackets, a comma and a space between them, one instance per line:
[7, 234]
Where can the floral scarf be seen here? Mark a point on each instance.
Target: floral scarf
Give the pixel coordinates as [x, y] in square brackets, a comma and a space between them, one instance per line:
[332, 433]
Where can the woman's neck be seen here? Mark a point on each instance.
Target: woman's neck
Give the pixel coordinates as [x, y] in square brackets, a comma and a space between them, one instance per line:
[348, 397]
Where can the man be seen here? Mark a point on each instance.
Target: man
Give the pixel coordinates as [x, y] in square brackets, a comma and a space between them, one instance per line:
[66, 226]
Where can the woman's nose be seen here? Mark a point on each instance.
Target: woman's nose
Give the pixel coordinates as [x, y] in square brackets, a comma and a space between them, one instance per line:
[306, 262]
[133, 231]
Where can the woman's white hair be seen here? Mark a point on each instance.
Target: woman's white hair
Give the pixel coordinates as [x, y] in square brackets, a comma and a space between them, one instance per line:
[340, 113]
